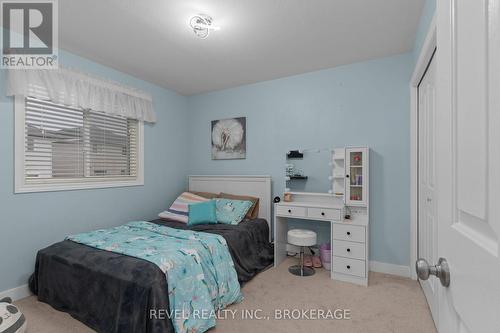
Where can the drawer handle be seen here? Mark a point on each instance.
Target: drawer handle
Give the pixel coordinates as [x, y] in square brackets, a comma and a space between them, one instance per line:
[348, 233]
[289, 210]
[348, 250]
[322, 213]
[348, 266]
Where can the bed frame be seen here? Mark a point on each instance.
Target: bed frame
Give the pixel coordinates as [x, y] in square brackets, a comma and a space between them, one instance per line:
[255, 186]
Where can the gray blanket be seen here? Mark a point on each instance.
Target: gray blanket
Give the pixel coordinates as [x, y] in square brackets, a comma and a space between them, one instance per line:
[114, 293]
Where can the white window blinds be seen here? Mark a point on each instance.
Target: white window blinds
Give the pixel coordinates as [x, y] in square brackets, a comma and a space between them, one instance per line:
[64, 143]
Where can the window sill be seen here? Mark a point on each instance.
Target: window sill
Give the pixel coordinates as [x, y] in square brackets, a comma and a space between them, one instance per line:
[73, 186]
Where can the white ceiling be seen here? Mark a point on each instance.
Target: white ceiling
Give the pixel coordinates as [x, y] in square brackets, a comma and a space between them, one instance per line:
[259, 39]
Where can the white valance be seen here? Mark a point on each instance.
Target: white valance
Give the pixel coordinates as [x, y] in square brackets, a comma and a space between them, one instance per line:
[69, 87]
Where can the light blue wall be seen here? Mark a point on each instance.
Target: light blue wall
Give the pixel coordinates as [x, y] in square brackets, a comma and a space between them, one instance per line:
[360, 104]
[423, 26]
[29, 222]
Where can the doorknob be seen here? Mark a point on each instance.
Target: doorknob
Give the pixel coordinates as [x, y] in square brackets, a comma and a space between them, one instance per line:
[441, 270]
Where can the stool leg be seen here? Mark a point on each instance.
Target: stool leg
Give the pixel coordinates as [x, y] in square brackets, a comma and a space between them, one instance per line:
[299, 269]
[301, 261]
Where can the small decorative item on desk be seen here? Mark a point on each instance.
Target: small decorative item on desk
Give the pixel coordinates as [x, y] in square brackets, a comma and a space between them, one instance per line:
[287, 197]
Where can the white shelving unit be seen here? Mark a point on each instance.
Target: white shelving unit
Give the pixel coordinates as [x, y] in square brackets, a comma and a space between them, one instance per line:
[348, 196]
[338, 172]
[356, 177]
[350, 237]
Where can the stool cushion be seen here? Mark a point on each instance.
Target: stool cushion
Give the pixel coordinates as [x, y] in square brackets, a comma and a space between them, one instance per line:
[301, 237]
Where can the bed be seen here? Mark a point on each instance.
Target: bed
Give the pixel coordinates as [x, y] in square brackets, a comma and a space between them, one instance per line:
[111, 292]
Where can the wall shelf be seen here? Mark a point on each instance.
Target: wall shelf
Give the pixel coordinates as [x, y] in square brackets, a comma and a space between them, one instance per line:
[315, 194]
[297, 177]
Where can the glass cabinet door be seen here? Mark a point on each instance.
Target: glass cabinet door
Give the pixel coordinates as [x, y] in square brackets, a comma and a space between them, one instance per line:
[356, 176]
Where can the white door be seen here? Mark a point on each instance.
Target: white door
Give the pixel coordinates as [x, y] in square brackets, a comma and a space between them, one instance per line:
[427, 221]
[468, 163]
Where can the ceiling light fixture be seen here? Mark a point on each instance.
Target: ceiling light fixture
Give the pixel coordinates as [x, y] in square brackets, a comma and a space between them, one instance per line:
[202, 24]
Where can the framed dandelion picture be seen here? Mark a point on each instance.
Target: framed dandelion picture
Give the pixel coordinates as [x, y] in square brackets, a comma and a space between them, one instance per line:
[229, 139]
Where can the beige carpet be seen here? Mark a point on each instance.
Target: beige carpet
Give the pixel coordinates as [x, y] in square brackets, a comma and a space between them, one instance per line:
[389, 304]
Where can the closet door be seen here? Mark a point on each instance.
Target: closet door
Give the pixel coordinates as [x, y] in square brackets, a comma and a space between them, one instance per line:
[427, 221]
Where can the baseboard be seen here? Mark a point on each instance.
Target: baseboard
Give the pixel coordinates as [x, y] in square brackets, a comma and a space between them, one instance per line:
[382, 267]
[16, 293]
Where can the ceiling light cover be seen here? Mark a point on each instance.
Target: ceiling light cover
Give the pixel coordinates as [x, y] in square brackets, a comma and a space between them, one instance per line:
[201, 25]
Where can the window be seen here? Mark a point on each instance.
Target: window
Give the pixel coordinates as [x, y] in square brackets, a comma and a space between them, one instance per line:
[60, 147]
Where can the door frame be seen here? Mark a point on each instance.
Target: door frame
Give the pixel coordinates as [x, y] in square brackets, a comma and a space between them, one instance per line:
[424, 58]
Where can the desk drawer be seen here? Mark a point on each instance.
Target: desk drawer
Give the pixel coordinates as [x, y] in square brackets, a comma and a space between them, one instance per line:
[291, 211]
[348, 266]
[352, 233]
[349, 249]
[324, 213]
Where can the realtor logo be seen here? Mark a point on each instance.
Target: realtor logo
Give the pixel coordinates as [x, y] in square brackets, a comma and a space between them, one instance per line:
[30, 34]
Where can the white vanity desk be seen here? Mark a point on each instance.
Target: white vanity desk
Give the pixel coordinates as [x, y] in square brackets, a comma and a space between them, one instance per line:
[348, 237]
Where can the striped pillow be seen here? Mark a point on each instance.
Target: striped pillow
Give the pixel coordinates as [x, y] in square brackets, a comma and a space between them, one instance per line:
[179, 209]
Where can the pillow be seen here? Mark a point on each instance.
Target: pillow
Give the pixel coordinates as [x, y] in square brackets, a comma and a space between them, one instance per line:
[253, 212]
[179, 209]
[202, 213]
[208, 195]
[231, 211]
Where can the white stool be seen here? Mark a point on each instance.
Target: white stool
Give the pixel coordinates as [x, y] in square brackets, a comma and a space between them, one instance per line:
[302, 238]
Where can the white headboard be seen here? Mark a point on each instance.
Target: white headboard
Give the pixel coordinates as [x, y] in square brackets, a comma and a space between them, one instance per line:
[255, 186]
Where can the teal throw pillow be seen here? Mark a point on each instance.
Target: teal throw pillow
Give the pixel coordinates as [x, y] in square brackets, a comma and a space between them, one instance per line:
[202, 213]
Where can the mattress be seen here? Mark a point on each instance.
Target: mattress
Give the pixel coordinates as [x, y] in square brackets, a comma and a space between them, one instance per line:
[111, 292]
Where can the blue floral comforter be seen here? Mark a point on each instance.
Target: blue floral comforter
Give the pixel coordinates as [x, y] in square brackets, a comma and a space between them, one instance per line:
[198, 267]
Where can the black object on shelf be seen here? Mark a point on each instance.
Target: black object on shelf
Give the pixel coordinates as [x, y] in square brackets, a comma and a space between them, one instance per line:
[297, 177]
[294, 154]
